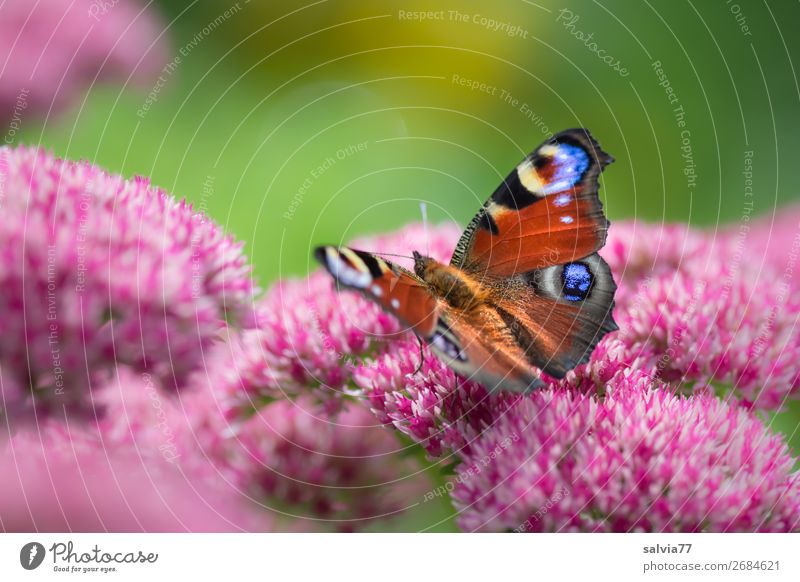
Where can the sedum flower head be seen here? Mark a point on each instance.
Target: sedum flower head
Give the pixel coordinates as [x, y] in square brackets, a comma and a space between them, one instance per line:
[636, 439]
[123, 473]
[640, 459]
[697, 308]
[97, 271]
[435, 407]
[303, 459]
[311, 336]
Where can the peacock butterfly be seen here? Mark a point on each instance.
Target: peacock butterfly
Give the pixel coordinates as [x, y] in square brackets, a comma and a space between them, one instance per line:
[525, 291]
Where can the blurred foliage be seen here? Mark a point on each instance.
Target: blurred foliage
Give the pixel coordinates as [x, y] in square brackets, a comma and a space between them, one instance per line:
[264, 112]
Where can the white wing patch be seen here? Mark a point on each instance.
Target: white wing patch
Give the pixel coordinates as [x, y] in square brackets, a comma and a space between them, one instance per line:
[355, 274]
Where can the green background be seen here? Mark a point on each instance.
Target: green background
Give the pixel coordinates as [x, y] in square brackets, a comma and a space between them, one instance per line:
[277, 88]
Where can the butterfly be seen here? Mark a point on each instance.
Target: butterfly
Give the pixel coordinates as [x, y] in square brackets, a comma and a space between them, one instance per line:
[525, 292]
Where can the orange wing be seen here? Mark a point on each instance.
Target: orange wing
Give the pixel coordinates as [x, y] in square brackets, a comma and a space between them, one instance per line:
[558, 315]
[397, 290]
[546, 320]
[480, 346]
[546, 212]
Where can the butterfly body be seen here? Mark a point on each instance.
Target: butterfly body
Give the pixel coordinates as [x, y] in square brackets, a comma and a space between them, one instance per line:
[525, 291]
[449, 283]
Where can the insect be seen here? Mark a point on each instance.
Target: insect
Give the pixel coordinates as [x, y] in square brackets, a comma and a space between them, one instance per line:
[525, 291]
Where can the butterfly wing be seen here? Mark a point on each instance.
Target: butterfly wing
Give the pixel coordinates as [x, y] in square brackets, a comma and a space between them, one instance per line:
[475, 344]
[546, 212]
[479, 346]
[546, 320]
[558, 314]
[534, 244]
[397, 290]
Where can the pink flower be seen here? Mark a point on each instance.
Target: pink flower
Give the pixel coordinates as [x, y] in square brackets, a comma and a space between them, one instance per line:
[640, 459]
[696, 308]
[325, 467]
[96, 271]
[772, 239]
[435, 407]
[686, 317]
[280, 466]
[697, 315]
[638, 251]
[693, 329]
[308, 336]
[136, 468]
[52, 49]
[65, 481]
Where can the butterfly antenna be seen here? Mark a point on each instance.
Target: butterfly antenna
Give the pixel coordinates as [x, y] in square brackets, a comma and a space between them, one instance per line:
[421, 358]
[382, 254]
[423, 207]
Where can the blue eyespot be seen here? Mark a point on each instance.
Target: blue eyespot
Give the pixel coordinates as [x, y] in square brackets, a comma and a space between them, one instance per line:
[570, 163]
[577, 279]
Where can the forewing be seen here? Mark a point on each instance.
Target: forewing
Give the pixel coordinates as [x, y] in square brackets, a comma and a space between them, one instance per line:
[546, 212]
[395, 289]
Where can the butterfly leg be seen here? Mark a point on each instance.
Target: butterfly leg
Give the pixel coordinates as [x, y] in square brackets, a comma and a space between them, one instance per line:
[421, 358]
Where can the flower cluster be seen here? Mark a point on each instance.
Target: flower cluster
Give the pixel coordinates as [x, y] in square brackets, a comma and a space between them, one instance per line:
[698, 309]
[611, 448]
[53, 49]
[339, 471]
[112, 291]
[99, 271]
[640, 459]
[186, 462]
[326, 466]
[132, 469]
[117, 279]
[434, 406]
